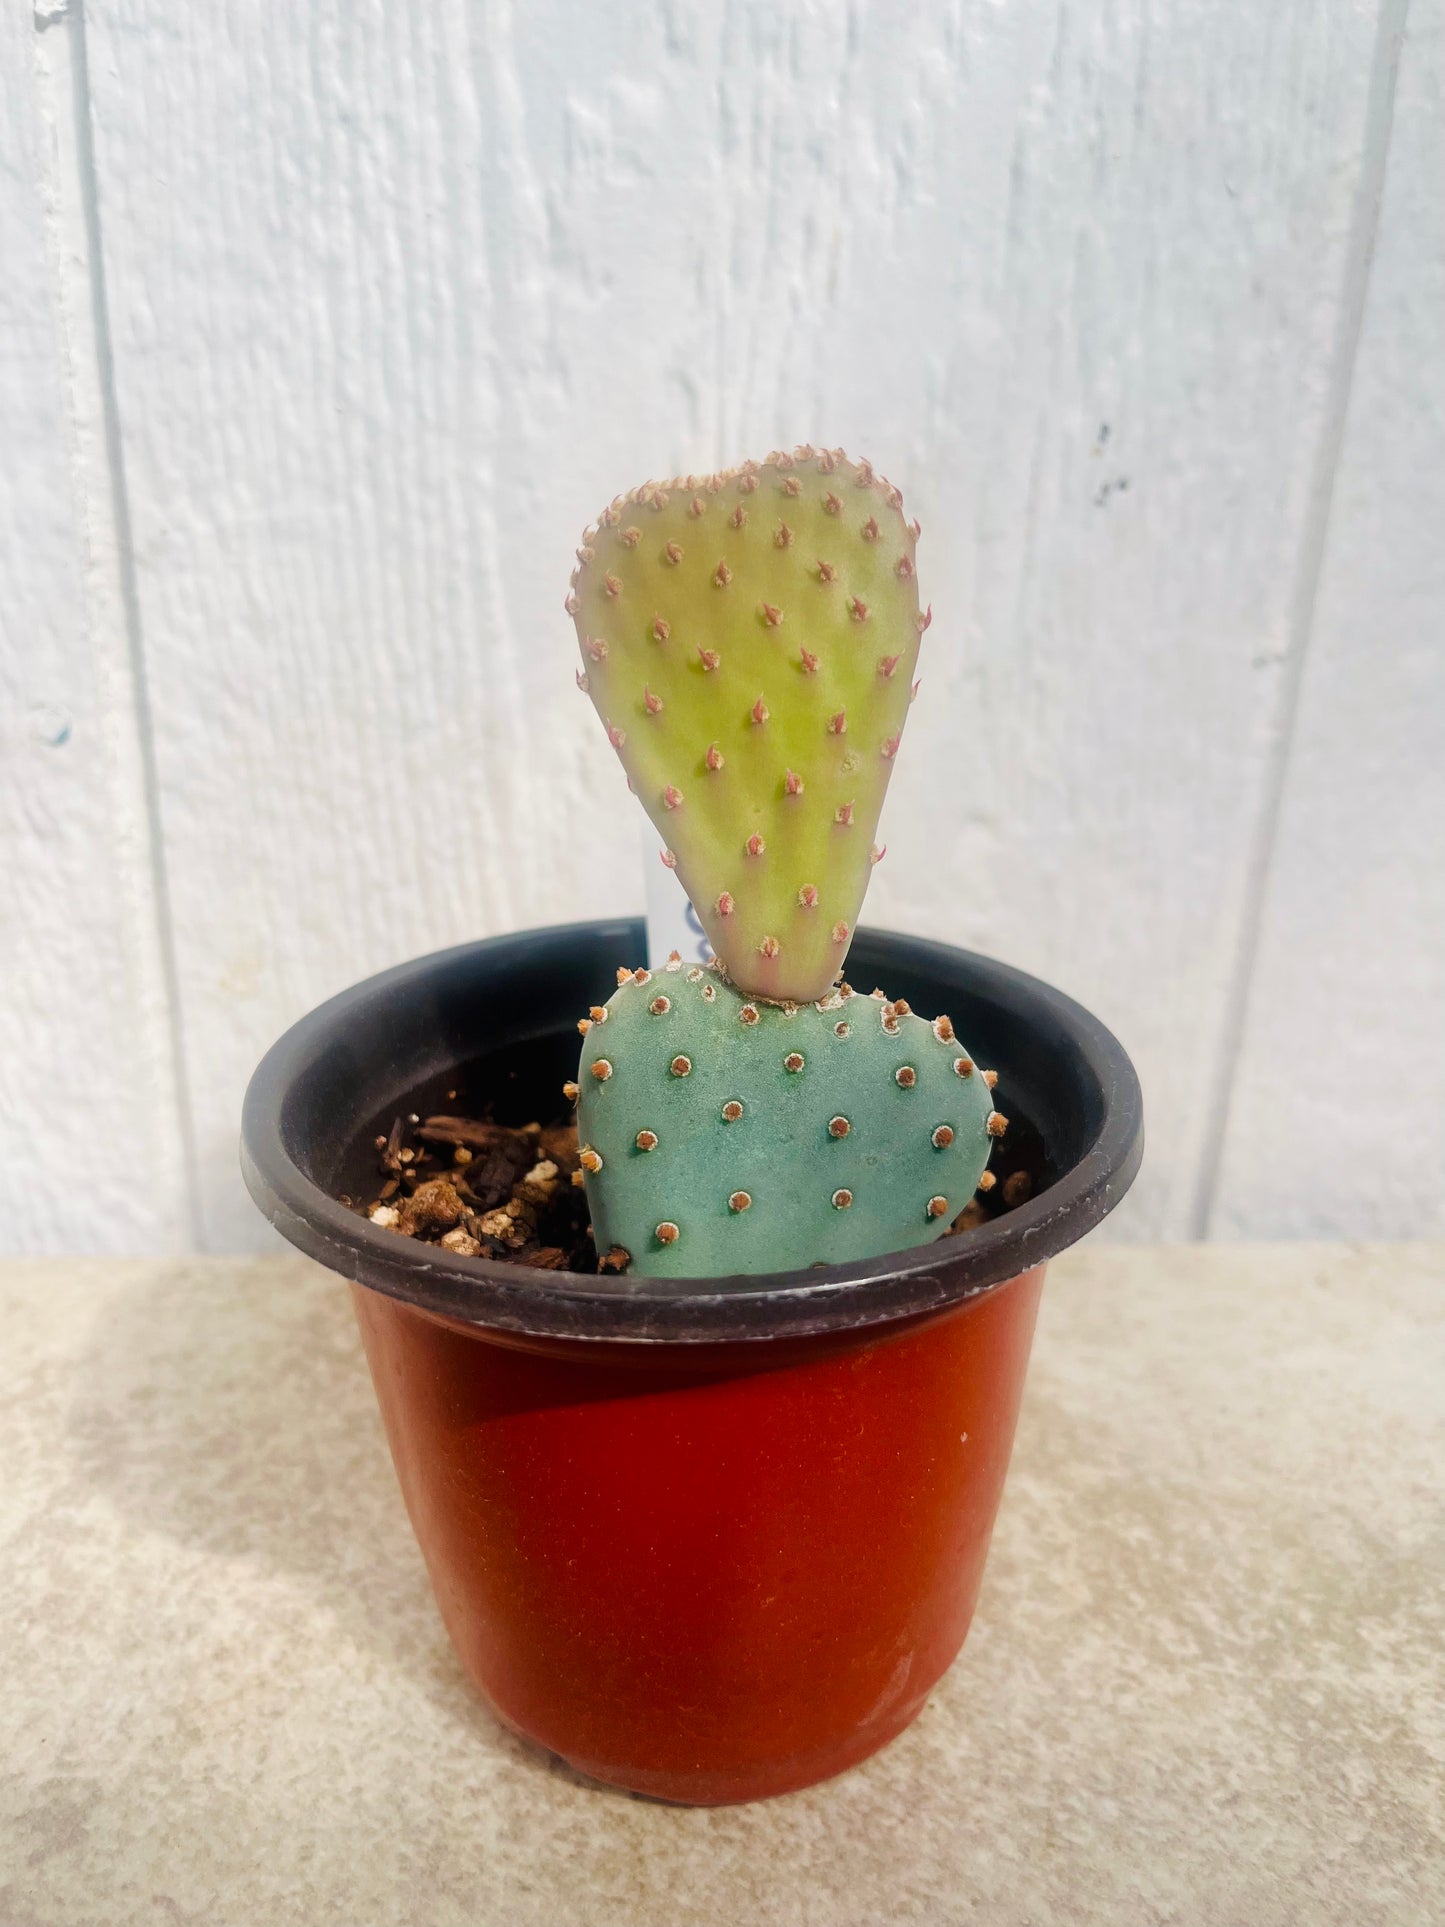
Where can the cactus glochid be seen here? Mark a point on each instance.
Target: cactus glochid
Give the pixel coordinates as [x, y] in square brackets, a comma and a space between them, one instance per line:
[748, 639]
[720, 1135]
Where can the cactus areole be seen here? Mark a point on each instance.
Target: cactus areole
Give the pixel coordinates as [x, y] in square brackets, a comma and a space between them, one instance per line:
[748, 640]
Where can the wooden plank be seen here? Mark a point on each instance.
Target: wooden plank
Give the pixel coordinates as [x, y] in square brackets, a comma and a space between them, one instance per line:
[89, 1134]
[399, 301]
[1337, 1124]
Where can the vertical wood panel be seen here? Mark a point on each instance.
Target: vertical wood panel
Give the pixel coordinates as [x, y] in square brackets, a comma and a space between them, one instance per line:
[1337, 1124]
[401, 295]
[89, 1135]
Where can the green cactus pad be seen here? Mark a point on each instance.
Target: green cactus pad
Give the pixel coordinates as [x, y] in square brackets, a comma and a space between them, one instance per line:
[720, 1136]
[749, 641]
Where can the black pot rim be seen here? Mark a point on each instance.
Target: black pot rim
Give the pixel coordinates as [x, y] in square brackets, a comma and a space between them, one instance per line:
[509, 1298]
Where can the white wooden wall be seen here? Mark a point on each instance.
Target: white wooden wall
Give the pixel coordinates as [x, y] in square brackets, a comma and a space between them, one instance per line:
[324, 329]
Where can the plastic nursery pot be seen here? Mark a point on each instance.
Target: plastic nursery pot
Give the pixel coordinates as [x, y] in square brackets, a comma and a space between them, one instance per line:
[709, 1540]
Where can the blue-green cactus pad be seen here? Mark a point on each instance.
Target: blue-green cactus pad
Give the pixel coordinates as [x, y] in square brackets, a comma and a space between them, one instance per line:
[781, 1184]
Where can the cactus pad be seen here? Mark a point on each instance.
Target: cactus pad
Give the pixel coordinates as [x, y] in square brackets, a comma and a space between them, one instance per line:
[720, 1136]
[749, 640]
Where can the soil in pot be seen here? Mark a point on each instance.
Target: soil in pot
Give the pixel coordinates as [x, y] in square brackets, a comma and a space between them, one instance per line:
[461, 1178]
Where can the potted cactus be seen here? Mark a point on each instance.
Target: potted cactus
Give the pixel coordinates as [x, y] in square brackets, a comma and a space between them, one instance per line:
[708, 1517]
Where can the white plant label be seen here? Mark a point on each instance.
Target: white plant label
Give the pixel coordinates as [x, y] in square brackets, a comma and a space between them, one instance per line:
[672, 923]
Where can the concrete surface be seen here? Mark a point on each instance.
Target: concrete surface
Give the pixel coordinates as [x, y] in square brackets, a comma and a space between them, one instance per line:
[1204, 1684]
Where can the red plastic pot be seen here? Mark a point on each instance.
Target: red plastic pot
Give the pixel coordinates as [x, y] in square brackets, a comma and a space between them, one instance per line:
[710, 1539]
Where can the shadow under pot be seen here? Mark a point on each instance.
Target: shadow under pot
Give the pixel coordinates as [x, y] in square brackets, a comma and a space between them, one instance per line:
[707, 1539]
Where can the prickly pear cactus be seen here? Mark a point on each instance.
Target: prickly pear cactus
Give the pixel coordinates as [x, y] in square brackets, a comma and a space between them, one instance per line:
[719, 1135]
[749, 639]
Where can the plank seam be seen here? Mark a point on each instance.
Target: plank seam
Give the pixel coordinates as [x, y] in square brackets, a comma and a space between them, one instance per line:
[1314, 541]
[72, 16]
